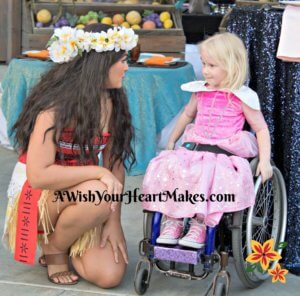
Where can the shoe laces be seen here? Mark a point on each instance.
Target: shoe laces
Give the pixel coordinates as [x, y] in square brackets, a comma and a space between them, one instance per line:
[196, 228]
[171, 225]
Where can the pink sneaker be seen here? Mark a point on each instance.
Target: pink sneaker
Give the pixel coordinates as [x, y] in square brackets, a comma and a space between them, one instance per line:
[171, 232]
[195, 238]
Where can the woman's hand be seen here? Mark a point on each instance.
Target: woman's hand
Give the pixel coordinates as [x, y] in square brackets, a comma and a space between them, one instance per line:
[265, 169]
[114, 186]
[112, 231]
[170, 146]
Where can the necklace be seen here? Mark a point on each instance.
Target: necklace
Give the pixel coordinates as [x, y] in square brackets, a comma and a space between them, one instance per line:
[210, 129]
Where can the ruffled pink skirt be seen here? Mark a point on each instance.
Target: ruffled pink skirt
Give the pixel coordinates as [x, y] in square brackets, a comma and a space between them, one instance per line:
[193, 178]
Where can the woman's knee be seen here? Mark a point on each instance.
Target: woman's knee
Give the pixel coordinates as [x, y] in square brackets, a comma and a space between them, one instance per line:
[109, 279]
[91, 200]
[98, 267]
[88, 204]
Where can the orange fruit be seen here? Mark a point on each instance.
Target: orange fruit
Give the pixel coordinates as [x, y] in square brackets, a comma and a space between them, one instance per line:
[93, 21]
[118, 19]
[149, 25]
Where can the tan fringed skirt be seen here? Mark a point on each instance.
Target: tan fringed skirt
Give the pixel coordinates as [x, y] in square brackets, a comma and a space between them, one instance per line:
[86, 241]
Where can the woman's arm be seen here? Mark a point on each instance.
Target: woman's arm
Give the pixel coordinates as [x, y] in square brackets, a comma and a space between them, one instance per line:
[118, 168]
[41, 170]
[185, 118]
[119, 172]
[112, 230]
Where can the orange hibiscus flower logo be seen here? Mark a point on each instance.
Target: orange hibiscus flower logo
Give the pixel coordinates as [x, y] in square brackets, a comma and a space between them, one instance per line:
[262, 256]
[278, 274]
[263, 253]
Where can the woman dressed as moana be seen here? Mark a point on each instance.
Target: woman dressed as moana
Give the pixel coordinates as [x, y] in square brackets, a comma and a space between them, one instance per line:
[76, 112]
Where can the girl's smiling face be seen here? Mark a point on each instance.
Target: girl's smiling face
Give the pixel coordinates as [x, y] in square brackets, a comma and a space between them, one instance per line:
[214, 75]
[116, 73]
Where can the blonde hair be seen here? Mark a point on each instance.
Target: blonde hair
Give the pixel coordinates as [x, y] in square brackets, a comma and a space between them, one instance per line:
[230, 54]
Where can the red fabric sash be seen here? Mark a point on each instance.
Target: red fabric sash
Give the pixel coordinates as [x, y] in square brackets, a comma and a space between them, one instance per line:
[26, 234]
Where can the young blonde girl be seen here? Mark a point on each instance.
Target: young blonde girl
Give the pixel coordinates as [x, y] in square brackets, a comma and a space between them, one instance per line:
[213, 159]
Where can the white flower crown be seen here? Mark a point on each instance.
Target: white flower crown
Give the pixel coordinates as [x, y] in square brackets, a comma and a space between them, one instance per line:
[66, 42]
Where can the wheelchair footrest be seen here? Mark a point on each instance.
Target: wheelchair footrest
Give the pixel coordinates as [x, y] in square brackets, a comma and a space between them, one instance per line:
[178, 254]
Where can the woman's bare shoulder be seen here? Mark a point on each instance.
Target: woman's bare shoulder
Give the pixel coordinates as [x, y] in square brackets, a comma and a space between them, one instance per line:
[46, 117]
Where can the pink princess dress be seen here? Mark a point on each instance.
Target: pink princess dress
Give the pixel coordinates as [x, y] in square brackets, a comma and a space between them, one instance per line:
[220, 117]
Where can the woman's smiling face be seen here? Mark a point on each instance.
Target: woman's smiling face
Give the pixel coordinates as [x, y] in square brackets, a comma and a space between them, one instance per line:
[116, 73]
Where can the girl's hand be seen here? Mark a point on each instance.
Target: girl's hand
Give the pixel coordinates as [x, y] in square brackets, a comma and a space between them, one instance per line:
[113, 232]
[170, 146]
[265, 169]
[113, 185]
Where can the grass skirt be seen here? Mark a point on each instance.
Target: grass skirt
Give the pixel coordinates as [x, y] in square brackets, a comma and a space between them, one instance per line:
[86, 241]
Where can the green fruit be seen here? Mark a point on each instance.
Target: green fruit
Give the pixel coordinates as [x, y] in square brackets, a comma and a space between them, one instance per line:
[81, 19]
[92, 15]
[84, 19]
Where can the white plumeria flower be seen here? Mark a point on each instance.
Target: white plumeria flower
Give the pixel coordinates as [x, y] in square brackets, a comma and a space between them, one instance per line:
[61, 52]
[67, 42]
[83, 40]
[109, 45]
[99, 41]
[115, 38]
[65, 34]
[129, 39]
[93, 40]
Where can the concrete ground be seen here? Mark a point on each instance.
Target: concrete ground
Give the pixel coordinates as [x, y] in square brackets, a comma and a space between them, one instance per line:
[19, 279]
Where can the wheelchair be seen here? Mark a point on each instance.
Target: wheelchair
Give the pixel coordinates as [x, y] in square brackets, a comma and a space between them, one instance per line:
[232, 237]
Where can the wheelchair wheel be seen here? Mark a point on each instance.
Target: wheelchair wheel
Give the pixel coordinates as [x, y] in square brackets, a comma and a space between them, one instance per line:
[266, 219]
[140, 285]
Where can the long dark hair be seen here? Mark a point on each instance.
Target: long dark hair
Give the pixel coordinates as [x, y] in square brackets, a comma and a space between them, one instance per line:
[74, 91]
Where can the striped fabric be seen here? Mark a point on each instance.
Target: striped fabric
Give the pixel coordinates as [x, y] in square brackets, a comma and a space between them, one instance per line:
[69, 154]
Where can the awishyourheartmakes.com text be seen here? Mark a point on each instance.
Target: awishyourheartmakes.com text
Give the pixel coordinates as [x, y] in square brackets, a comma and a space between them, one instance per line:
[129, 196]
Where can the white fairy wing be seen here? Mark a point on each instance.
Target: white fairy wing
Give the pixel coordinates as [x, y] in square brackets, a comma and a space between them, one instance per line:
[248, 96]
[245, 93]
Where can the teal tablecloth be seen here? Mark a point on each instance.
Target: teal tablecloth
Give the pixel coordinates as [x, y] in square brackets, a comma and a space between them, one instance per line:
[154, 99]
